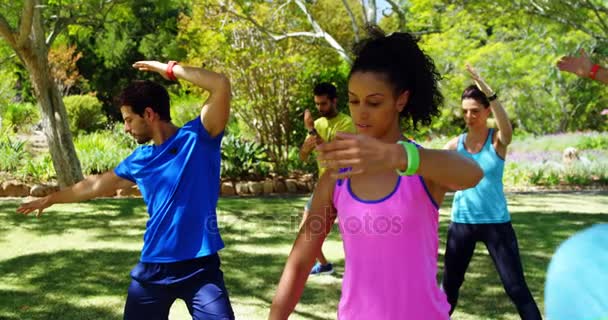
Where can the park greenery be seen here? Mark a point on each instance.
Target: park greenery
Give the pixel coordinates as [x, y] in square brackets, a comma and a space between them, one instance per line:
[62, 63]
[72, 262]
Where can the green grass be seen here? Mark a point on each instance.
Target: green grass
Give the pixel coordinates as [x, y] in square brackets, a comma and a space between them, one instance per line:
[549, 142]
[555, 142]
[74, 261]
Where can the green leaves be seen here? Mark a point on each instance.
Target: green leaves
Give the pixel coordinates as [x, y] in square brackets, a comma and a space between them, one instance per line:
[103, 150]
[515, 49]
[243, 159]
[85, 113]
[12, 152]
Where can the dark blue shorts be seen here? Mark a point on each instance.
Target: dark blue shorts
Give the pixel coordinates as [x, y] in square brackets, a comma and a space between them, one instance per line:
[199, 282]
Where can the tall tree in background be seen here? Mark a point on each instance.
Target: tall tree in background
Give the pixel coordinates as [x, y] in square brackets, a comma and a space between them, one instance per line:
[588, 16]
[64, 71]
[265, 74]
[134, 30]
[516, 50]
[30, 28]
[353, 13]
[7, 92]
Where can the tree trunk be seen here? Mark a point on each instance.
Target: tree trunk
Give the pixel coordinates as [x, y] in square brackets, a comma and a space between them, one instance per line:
[29, 41]
[54, 117]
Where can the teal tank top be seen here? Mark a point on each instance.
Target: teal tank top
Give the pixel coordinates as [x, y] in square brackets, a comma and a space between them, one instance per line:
[484, 203]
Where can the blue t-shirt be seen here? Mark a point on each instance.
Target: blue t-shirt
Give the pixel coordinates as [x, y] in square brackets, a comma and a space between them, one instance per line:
[577, 279]
[179, 181]
[485, 202]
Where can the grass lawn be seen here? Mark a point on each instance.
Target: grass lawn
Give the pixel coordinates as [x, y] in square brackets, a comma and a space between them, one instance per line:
[74, 261]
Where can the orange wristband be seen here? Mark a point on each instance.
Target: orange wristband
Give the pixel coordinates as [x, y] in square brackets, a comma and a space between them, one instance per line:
[594, 71]
[169, 70]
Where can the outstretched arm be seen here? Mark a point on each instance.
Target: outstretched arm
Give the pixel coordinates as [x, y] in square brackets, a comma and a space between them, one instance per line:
[89, 188]
[505, 130]
[216, 110]
[583, 67]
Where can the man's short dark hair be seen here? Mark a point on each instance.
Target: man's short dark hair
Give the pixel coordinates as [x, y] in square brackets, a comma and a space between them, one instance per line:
[141, 94]
[325, 89]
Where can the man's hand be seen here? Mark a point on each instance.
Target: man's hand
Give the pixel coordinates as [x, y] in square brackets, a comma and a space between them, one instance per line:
[309, 123]
[38, 204]
[311, 142]
[581, 65]
[154, 66]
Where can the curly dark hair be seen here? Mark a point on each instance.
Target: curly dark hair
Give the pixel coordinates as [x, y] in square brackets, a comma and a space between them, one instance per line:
[472, 92]
[141, 94]
[325, 89]
[407, 67]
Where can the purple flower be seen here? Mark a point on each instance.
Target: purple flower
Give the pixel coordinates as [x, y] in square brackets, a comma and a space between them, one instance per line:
[533, 157]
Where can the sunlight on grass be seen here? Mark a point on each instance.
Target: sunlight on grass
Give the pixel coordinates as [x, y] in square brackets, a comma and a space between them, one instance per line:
[74, 261]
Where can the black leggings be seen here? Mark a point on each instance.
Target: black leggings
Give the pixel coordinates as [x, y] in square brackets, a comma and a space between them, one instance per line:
[501, 243]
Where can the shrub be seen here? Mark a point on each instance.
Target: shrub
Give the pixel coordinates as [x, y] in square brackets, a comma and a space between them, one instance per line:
[536, 176]
[599, 142]
[85, 113]
[40, 169]
[12, 152]
[242, 159]
[514, 174]
[103, 150]
[19, 115]
[185, 108]
[552, 178]
[295, 164]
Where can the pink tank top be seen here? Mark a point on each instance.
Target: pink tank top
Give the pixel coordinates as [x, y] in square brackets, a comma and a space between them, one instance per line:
[390, 248]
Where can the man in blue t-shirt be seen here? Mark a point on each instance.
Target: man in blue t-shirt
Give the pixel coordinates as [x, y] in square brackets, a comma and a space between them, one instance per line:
[178, 175]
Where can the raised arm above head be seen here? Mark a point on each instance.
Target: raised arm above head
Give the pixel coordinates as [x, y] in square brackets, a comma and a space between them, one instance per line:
[505, 130]
[216, 109]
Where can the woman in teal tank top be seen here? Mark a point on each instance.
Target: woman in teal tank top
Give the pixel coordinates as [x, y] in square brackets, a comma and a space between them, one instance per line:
[480, 214]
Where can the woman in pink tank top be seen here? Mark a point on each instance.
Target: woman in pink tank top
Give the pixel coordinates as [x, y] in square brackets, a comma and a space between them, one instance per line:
[387, 204]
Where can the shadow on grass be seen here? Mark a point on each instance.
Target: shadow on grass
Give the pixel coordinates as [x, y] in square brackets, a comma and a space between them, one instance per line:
[260, 221]
[108, 219]
[49, 286]
[263, 221]
[52, 285]
[53, 280]
[250, 275]
[246, 220]
[538, 234]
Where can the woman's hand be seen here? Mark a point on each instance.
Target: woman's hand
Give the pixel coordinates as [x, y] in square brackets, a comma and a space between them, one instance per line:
[479, 81]
[361, 153]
